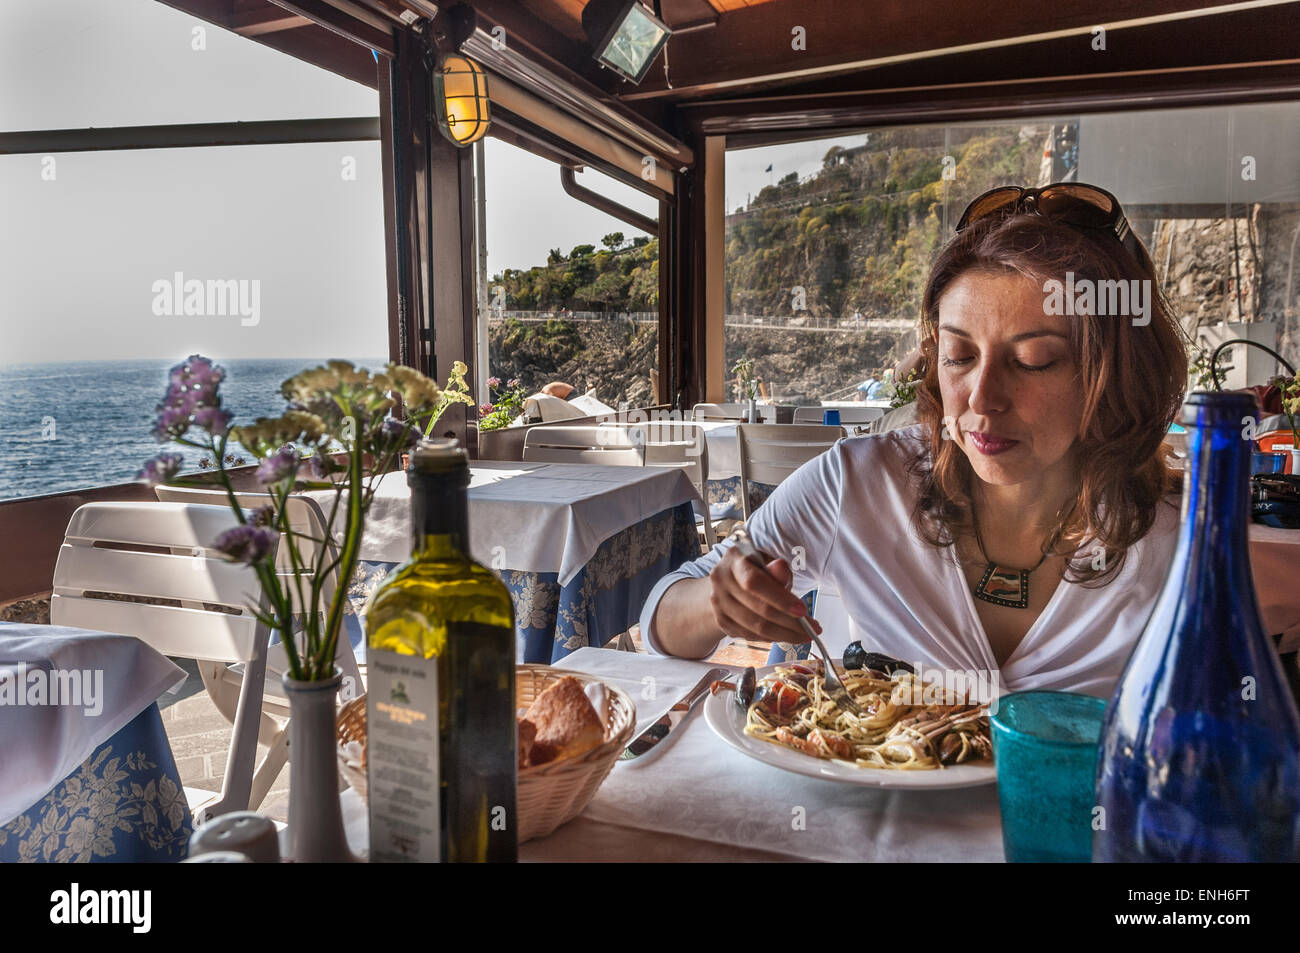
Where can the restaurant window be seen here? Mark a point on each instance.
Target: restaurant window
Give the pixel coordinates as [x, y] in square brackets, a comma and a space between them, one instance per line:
[572, 292]
[829, 243]
[101, 251]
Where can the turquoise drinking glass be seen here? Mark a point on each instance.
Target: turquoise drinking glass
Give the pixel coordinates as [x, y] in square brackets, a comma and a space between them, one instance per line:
[1045, 749]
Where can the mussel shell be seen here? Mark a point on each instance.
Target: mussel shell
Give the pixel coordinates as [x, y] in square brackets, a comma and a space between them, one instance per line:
[745, 688]
[855, 656]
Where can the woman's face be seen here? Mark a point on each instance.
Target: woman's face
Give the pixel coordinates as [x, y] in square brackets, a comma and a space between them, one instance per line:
[1007, 377]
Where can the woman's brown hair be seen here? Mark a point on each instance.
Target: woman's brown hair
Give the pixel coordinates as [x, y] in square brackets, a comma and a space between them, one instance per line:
[1131, 380]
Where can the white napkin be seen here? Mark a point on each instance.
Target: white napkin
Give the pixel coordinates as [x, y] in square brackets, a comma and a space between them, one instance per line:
[664, 682]
[599, 698]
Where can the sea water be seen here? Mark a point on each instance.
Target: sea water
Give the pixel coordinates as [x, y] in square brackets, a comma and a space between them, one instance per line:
[70, 426]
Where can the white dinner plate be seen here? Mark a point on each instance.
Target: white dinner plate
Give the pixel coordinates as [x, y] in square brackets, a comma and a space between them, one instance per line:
[727, 720]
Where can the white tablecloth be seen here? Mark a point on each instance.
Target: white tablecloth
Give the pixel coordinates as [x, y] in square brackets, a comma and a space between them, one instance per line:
[701, 800]
[533, 517]
[41, 744]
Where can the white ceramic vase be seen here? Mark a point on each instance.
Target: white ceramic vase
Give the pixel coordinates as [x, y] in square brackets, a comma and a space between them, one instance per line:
[315, 817]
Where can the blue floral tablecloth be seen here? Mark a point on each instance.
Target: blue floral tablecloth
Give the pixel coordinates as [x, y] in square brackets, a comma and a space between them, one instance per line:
[724, 497]
[124, 803]
[601, 601]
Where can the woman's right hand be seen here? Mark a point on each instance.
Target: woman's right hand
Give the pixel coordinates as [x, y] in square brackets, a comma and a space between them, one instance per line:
[750, 604]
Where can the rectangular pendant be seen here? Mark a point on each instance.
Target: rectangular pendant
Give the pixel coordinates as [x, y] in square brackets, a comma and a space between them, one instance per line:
[1004, 587]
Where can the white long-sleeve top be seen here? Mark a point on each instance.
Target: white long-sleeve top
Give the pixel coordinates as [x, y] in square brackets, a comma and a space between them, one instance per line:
[844, 521]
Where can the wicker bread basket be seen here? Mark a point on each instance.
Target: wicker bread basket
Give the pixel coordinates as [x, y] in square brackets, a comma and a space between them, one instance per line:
[550, 794]
[351, 726]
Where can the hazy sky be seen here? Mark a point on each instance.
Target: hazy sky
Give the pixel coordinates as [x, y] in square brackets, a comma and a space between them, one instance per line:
[91, 242]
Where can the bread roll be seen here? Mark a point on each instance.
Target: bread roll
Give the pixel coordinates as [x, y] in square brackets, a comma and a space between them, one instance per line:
[567, 725]
[527, 734]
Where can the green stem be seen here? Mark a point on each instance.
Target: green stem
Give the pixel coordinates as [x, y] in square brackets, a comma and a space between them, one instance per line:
[281, 497]
[347, 559]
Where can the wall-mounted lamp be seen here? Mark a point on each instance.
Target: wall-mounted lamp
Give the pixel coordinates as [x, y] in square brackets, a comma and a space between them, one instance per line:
[624, 35]
[460, 92]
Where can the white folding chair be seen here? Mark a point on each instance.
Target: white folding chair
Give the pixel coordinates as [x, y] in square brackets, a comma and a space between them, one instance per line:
[848, 415]
[771, 452]
[116, 554]
[582, 444]
[222, 681]
[734, 412]
[674, 445]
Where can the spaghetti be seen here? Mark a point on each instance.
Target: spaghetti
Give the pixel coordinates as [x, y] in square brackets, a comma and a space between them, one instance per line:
[791, 708]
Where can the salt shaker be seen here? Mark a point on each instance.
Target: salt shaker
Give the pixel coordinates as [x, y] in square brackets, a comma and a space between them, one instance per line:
[245, 832]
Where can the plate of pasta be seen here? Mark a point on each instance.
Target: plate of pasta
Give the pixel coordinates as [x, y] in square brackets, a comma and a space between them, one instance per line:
[910, 735]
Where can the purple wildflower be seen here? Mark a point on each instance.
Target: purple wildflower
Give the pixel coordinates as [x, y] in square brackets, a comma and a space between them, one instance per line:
[396, 430]
[192, 389]
[213, 419]
[198, 376]
[513, 382]
[160, 469]
[172, 422]
[246, 544]
[494, 382]
[281, 465]
[485, 409]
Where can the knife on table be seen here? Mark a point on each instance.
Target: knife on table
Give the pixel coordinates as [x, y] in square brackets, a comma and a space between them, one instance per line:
[656, 736]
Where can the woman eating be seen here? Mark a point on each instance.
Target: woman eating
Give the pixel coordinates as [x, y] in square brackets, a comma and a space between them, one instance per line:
[1025, 525]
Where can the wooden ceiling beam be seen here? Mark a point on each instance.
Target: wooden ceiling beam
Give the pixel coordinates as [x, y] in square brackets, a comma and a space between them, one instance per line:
[265, 20]
[348, 20]
[758, 46]
[538, 40]
[764, 122]
[1165, 63]
[327, 48]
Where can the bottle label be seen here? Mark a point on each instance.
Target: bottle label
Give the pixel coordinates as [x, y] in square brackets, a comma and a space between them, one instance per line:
[402, 757]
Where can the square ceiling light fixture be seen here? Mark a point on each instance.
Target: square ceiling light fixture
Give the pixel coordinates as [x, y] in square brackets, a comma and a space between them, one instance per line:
[624, 35]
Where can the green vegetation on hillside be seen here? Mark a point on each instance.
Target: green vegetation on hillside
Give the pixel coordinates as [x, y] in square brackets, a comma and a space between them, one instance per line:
[857, 235]
[622, 275]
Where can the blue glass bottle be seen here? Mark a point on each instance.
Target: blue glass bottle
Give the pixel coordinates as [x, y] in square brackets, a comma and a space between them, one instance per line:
[1200, 749]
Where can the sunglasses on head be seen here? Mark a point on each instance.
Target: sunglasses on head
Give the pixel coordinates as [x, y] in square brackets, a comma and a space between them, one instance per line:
[1074, 203]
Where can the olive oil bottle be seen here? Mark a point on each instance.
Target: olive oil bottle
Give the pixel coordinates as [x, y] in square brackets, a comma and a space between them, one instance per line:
[440, 713]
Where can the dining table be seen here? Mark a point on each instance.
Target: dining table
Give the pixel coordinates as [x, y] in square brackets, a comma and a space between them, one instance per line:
[699, 799]
[579, 546]
[86, 771]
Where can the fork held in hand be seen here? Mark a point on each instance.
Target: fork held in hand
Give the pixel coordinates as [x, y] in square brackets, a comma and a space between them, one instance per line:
[834, 686]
